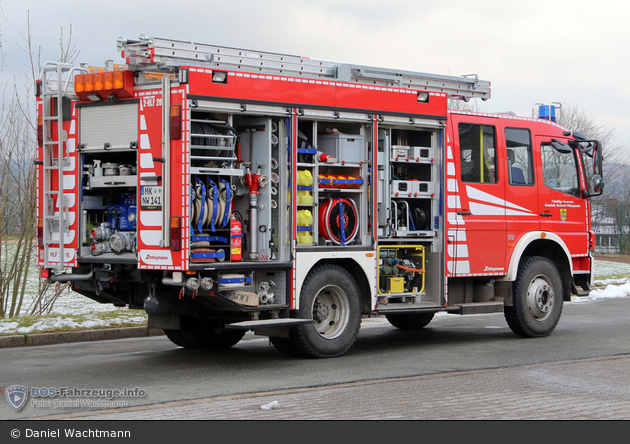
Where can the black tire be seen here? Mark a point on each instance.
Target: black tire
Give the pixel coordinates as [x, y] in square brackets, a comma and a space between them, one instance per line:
[537, 299]
[330, 297]
[410, 321]
[284, 346]
[177, 338]
[195, 333]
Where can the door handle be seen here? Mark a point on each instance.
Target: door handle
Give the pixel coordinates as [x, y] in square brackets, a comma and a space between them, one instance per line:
[546, 214]
[147, 178]
[464, 213]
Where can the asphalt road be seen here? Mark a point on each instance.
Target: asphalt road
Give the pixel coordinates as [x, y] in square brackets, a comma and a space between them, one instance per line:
[450, 343]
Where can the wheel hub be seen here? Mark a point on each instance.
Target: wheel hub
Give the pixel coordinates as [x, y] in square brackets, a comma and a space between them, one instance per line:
[320, 311]
[331, 312]
[540, 298]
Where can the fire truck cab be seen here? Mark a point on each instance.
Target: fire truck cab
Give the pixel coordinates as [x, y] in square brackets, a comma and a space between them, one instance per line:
[224, 190]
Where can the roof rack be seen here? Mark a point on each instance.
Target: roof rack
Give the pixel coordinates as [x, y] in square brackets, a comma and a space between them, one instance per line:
[151, 53]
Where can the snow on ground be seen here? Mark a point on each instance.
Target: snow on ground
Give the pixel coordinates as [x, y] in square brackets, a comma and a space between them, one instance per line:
[57, 323]
[607, 272]
[75, 311]
[70, 303]
[612, 280]
[8, 327]
[608, 292]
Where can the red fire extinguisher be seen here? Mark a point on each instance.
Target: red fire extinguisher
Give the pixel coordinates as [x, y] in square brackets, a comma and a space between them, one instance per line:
[236, 239]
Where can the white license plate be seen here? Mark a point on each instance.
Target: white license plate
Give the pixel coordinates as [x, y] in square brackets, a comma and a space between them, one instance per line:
[151, 198]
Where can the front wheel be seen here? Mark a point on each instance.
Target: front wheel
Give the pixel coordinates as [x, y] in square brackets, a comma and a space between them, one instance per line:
[331, 298]
[537, 299]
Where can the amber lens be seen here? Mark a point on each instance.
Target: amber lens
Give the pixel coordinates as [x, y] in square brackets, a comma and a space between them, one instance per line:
[98, 82]
[119, 80]
[89, 83]
[108, 81]
[79, 86]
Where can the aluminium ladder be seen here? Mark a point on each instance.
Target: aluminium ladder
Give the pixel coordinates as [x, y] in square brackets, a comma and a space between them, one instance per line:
[150, 53]
[55, 158]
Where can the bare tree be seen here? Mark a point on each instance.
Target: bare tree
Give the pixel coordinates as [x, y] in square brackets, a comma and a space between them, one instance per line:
[1, 18]
[574, 118]
[18, 194]
[462, 105]
[68, 51]
[611, 211]
[615, 153]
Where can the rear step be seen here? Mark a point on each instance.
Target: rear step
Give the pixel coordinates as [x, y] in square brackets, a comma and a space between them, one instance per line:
[478, 308]
[585, 291]
[461, 309]
[282, 322]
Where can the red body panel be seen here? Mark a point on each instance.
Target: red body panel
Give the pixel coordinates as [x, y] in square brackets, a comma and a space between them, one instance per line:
[479, 209]
[485, 222]
[299, 92]
[150, 254]
[570, 216]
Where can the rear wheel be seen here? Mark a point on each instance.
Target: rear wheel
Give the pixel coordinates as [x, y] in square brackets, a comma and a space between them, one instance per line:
[284, 346]
[331, 298]
[537, 299]
[409, 321]
[195, 333]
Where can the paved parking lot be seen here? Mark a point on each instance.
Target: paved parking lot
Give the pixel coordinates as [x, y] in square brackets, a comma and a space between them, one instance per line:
[588, 389]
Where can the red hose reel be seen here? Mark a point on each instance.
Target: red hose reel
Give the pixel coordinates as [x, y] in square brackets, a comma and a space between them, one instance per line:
[338, 220]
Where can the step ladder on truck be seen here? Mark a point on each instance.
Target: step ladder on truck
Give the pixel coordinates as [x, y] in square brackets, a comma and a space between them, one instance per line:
[225, 190]
[55, 219]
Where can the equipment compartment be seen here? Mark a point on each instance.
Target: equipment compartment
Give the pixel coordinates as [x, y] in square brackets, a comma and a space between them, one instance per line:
[109, 205]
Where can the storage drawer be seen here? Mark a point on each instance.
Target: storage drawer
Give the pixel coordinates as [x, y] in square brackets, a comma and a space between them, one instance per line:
[344, 147]
[113, 181]
[411, 188]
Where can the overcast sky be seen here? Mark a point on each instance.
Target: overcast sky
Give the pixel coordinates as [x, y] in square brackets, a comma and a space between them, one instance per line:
[569, 51]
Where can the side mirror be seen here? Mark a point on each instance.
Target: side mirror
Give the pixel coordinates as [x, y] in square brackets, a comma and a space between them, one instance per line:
[598, 169]
[598, 185]
[579, 136]
[597, 159]
[561, 147]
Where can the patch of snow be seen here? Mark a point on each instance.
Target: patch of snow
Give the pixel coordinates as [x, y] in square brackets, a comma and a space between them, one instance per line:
[8, 327]
[607, 272]
[610, 281]
[56, 323]
[610, 292]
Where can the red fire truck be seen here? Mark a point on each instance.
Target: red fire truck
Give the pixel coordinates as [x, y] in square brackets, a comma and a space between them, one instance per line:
[224, 190]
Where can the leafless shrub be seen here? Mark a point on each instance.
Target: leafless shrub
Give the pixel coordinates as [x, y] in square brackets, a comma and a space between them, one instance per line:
[18, 133]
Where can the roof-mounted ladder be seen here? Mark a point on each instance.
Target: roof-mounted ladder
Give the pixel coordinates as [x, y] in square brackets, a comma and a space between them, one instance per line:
[152, 53]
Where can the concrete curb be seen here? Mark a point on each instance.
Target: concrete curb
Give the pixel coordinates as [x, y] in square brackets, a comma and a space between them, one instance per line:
[77, 336]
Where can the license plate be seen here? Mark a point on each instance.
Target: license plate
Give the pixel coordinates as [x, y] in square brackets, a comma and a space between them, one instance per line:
[151, 198]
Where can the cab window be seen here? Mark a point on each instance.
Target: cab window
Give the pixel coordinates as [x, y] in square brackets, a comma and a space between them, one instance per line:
[559, 170]
[477, 145]
[520, 160]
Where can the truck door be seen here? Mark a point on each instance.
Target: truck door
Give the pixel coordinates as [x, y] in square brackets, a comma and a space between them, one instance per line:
[163, 195]
[562, 209]
[521, 188]
[476, 198]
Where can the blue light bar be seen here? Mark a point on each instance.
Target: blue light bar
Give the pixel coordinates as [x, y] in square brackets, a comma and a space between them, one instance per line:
[547, 112]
